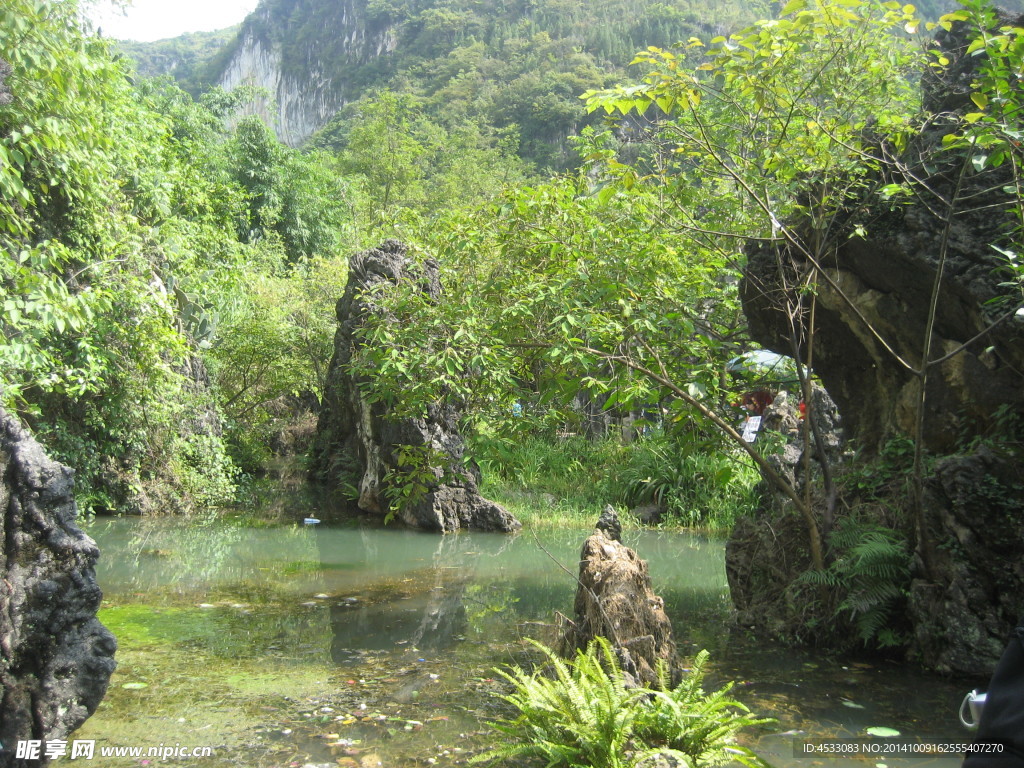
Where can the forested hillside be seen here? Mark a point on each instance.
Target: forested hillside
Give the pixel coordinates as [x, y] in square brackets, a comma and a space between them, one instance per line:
[189, 59]
[509, 68]
[512, 69]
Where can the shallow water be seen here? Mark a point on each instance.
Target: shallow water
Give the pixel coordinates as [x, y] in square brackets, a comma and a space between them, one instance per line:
[343, 645]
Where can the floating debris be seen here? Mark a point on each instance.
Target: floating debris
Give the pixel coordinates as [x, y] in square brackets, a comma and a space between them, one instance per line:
[878, 730]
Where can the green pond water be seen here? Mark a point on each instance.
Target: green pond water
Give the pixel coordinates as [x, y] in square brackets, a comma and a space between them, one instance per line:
[334, 644]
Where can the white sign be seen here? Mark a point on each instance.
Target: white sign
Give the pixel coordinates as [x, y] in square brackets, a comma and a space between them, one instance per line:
[750, 428]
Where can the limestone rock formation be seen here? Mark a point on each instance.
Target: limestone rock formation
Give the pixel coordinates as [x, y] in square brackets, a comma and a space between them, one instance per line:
[763, 559]
[783, 417]
[304, 84]
[975, 506]
[762, 573]
[614, 599]
[360, 439]
[887, 276]
[55, 657]
[962, 604]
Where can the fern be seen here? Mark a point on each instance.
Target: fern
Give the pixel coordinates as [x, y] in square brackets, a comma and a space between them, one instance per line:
[698, 726]
[582, 715]
[870, 571]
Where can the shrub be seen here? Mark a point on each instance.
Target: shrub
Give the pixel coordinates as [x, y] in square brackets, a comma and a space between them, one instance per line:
[698, 485]
[584, 715]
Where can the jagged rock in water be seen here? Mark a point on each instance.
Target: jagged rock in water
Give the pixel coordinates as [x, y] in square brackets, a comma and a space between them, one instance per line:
[609, 523]
[362, 439]
[55, 657]
[614, 599]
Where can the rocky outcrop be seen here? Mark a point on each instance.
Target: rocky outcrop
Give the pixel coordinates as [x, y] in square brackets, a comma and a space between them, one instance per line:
[766, 555]
[966, 572]
[55, 657]
[782, 417]
[615, 600]
[764, 558]
[362, 441]
[883, 281]
[975, 506]
[300, 80]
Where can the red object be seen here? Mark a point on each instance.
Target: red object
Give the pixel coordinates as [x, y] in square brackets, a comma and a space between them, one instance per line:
[803, 409]
[757, 401]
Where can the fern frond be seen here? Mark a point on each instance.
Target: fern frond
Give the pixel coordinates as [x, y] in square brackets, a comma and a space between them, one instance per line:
[585, 717]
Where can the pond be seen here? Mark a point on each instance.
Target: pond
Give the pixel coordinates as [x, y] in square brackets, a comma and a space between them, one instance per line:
[339, 644]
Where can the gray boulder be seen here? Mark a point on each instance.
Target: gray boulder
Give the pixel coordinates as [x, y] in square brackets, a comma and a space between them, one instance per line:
[361, 441]
[55, 657]
[974, 504]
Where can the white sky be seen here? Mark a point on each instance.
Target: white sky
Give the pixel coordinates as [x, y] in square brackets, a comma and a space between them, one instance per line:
[158, 19]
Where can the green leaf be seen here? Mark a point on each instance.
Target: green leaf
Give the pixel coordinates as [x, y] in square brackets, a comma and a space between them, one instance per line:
[792, 7]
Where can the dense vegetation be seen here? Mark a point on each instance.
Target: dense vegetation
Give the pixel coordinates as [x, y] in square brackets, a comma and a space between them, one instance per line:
[192, 58]
[169, 269]
[145, 244]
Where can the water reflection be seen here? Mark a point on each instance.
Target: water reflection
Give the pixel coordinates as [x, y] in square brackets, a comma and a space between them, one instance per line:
[384, 586]
[426, 613]
[398, 599]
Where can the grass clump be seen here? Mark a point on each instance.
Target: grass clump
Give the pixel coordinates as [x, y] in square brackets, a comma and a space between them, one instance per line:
[699, 485]
[584, 716]
[548, 478]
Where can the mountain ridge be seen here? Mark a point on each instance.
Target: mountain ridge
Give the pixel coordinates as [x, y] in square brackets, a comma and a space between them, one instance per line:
[509, 64]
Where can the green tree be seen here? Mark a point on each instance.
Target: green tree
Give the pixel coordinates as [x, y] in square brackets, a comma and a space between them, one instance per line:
[388, 146]
[623, 279]
[104, 203]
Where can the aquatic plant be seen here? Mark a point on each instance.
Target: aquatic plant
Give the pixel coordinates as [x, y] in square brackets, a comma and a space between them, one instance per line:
[584, 715]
